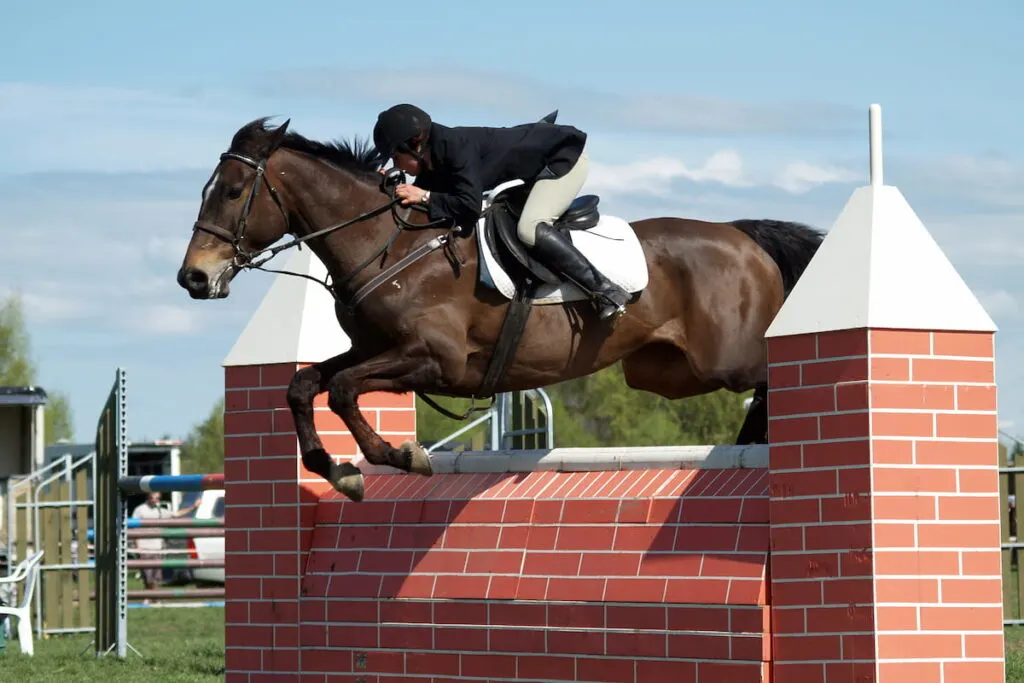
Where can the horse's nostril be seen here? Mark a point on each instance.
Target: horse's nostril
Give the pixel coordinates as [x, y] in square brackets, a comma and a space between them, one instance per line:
[194, 280]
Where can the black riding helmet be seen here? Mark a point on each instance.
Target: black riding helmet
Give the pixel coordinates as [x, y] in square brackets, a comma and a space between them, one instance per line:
[397, 126]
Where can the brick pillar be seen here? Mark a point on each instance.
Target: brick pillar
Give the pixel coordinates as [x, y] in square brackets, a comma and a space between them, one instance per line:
[270, 498]
[883, 486]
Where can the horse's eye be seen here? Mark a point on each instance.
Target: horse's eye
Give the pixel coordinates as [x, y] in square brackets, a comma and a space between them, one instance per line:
[235, 192]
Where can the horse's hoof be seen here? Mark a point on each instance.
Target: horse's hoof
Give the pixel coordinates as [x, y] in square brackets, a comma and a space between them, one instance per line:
[419, 461]
[348, 481]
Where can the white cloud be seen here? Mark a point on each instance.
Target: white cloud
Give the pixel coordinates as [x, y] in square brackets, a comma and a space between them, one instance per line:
[981, 184]
[513, 97]
[999, 303]
[654, 177]
[997, 181]
[170, 249]
[166, 319]
[97, 128]
[84, 234]
[43, 306]
[799, 177]
[104, 256]
[976, 239]
[93, 127]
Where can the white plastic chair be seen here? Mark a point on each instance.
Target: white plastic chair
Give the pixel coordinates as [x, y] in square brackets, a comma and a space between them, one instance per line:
[27, 571]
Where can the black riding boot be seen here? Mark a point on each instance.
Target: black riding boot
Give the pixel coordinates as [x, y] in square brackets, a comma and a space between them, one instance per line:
[557, 252]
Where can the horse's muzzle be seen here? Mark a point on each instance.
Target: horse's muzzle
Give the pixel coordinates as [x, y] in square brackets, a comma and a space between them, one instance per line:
[198, 284]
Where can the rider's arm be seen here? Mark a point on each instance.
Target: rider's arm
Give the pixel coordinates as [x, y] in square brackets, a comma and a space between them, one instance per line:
[462, 202]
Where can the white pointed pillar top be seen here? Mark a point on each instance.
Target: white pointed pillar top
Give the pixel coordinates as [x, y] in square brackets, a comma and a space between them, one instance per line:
[879, 267]
[295, 322]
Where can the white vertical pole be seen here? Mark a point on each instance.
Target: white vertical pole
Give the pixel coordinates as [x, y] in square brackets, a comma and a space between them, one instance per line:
[875, 134]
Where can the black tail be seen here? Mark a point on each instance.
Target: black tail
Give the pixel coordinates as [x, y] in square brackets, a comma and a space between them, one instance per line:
[792, 245]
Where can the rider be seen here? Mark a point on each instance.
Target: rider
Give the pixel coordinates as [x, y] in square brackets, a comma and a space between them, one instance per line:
[455, 165]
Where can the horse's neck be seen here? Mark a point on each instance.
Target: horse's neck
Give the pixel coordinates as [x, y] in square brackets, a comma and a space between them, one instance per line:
[325, 196]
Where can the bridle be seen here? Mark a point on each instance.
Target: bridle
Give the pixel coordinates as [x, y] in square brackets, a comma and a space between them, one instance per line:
[243, 259]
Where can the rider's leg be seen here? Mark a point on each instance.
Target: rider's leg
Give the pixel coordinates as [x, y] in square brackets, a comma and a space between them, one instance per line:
[548, 200]
[550, 197]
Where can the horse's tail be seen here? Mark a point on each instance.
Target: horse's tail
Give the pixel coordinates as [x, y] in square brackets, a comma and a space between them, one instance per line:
[792, 245]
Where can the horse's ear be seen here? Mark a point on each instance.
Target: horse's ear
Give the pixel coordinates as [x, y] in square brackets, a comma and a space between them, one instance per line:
[278, 136]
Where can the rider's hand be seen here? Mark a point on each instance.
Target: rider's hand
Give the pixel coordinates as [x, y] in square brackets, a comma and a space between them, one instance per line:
[410, 194]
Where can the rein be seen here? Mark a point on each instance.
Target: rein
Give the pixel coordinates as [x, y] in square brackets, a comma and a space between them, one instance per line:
[247, 260]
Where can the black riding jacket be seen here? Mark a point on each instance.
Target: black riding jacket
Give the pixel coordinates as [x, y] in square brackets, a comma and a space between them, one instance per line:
[466, 161]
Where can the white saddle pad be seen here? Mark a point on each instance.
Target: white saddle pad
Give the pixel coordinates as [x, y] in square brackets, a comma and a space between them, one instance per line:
[611, 246]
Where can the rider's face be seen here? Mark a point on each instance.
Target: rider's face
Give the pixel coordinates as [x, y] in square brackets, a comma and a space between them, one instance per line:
[407, 163]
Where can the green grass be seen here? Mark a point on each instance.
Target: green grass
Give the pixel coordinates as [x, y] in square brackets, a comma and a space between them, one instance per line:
[1015, 654]
[176, 644]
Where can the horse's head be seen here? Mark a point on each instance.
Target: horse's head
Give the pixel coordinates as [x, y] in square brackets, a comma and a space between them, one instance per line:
[240, 214]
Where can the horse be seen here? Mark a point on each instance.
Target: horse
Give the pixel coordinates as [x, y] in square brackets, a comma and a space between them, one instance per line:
[445, 311]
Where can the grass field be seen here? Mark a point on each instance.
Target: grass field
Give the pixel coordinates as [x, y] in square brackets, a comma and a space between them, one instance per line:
[1015, 654]
[184, 645]
[187, 645]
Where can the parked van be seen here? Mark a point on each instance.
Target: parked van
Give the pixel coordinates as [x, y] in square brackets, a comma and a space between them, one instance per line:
[211, 506]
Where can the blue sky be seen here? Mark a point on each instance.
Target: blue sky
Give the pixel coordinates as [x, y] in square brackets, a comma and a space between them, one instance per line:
[112, 115]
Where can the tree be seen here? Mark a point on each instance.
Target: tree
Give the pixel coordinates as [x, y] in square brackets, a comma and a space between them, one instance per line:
[203, 450]
[18, 370]
[1016, 454]
[432, 426]
[58, 418]
[601, 410]
[16, 367]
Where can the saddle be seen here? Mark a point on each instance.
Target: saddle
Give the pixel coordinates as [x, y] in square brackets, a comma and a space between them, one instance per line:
[503, 241]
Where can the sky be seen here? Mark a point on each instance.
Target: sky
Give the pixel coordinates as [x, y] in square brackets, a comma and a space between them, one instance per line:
[113, 114]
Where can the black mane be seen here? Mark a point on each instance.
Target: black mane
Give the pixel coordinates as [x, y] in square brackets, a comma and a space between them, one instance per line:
[357, 156]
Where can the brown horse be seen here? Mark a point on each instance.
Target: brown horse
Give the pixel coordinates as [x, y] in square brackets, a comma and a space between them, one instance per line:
[421, 318]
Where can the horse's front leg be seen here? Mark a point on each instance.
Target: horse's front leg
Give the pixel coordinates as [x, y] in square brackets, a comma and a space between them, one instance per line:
[305, 386]
[403, 369]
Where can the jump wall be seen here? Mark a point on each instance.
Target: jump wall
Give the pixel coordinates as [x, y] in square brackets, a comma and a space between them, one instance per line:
[540, 575]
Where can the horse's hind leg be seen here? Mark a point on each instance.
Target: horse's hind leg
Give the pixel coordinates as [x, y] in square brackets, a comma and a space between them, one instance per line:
[664, 369]
[755, 426]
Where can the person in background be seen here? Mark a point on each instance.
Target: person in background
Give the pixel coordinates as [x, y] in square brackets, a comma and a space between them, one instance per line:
[152, 548]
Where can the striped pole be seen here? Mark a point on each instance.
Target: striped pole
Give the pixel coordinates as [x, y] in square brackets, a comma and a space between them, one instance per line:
[165, 605]
[190, 522]
[173, 593]
[141, 594]
[169, 483]
[174, 563]
[200, 532]
[170, 532]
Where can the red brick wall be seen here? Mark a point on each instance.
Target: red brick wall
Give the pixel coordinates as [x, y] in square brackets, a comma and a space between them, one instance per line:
[625, 577]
